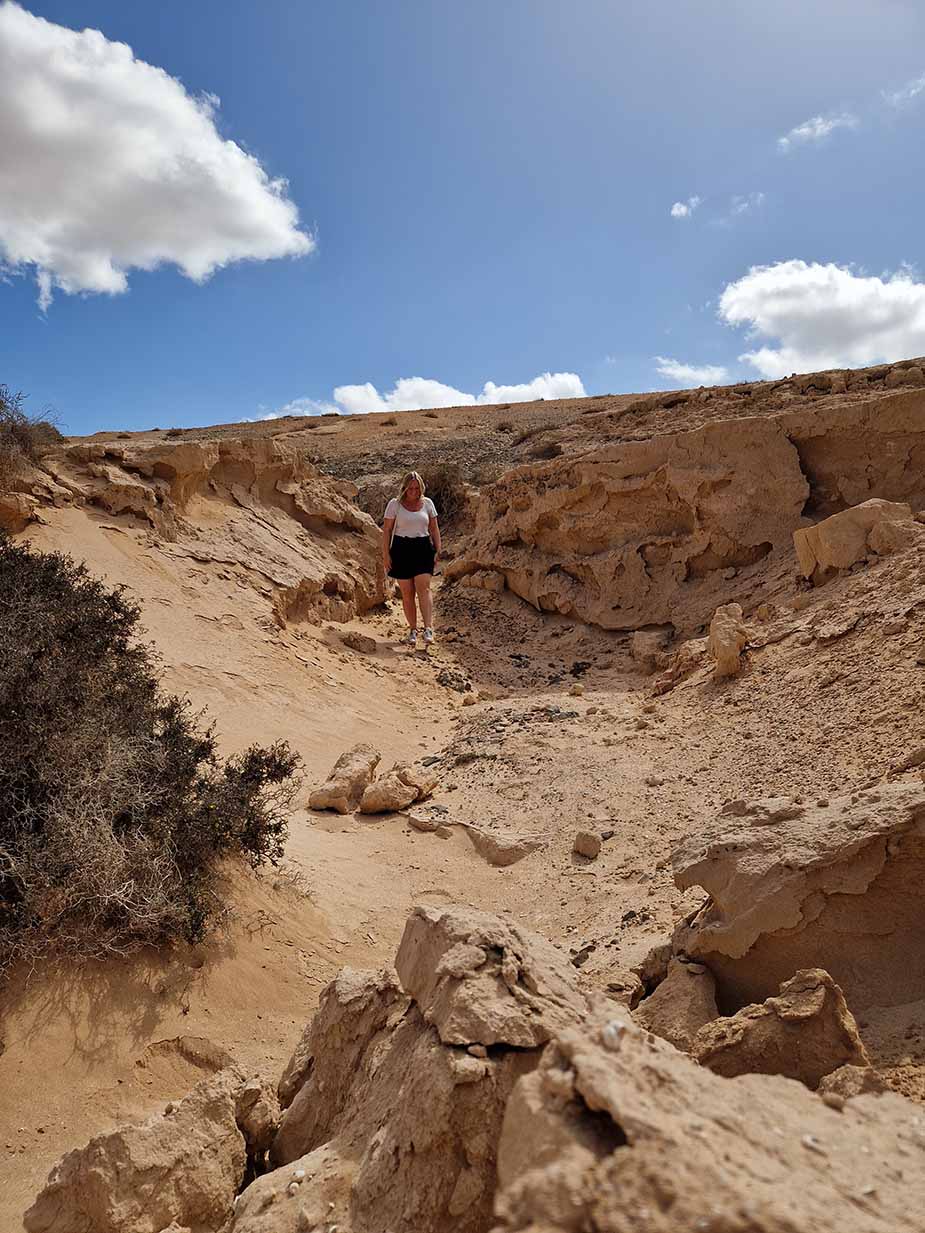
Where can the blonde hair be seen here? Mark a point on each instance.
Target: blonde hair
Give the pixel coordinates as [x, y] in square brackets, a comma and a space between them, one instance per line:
[407, 481]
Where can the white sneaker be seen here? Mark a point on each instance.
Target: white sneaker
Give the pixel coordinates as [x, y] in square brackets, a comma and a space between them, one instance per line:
[411, 638]
[428, 636]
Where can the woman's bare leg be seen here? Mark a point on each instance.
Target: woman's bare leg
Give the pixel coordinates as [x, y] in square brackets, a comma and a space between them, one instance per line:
[407, 601]
[425, 599]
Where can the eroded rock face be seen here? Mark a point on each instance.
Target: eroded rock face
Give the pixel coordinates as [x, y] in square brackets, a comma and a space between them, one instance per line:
[263, 508]
[619, 1132]
[842, 539]
[396, 1094]
[181, 1167]
[350, 776]
[681, 1005]
[805, 1032]
[610, 537]
[836, 884]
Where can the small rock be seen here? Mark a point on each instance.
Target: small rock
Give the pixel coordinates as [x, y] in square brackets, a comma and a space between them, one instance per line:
[588, 844]
[577, 690]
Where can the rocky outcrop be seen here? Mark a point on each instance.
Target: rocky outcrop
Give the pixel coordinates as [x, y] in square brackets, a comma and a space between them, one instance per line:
[681, 1005]
[350, 776]
[804, 1033]
[610, 537]
[727, 639]
[619, 1132]
[832, 884]
[875, 526]
[654, 531]
[183, 1166]
[396, 1094]
[253, 505]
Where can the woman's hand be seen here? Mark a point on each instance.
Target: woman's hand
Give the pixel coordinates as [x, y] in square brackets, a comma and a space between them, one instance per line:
[386, 563]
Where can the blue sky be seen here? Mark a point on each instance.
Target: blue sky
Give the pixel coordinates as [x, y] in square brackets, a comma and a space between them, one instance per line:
[475, 194]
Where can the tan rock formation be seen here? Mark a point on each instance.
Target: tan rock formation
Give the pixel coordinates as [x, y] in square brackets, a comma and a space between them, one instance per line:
[795, 885]
[728, 636]
[619, 1132]
[182, 1166]
[400, 1105]
[501, 847]
[805, 1032]
[265, 508]
[402, 786]
[350, 776]
[840, 540]
[610, 536]
[681, 1005]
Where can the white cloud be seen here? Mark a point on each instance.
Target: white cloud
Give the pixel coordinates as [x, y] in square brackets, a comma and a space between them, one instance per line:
[816, 129]
[905, 94]
[825, 316]
[743, 204]
[110, 165]
[684, 209]
[422, 393]
[298, 406]
[690, 374]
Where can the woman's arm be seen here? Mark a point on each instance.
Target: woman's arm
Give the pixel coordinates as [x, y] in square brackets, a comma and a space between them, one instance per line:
[387, 525]
[434, 529]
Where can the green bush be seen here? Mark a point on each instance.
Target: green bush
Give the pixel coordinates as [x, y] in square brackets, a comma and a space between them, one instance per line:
[115, 811]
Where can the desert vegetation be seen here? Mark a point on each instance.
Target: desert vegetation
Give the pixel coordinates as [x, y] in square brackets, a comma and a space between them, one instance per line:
[115, 811]
[22, 436]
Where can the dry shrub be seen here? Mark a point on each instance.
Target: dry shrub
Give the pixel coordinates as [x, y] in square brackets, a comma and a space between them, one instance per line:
[23, 438]
[431, 415]
[528, 433]
[390, 422]
[505, 426]
[115, 811]
[446, 488]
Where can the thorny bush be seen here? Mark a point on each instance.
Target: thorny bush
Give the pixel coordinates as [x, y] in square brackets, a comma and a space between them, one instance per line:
[21, 436]
[115, 811]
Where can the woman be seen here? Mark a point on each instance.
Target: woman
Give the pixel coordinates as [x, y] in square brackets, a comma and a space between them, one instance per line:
[410, 548]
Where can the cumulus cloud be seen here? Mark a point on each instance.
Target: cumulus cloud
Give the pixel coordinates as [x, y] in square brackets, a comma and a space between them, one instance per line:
[110, 165]
[816, 129]
[684, 209]
[825, 316]
[690, 374]
[905, 94]
[422, 393]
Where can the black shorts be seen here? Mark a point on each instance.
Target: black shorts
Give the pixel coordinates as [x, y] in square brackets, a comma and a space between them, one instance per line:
[411, 555]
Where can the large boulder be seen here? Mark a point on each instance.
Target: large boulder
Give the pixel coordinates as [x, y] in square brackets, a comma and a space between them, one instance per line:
[183, 1166]
[851, 535]
[619, 1132]
[396, 1094]
[834, 884]
[350, 776]
[805, 1032]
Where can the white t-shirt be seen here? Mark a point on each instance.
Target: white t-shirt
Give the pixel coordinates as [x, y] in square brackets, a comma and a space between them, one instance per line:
[411, 522]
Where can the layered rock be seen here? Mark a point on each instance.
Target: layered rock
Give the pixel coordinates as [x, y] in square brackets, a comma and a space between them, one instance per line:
[834, 884]
[618, 1132]
[611, 536]
[254, 505]
[804, 1033]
